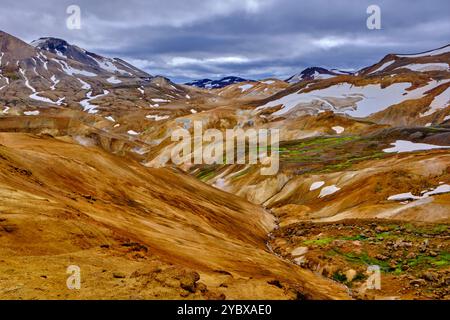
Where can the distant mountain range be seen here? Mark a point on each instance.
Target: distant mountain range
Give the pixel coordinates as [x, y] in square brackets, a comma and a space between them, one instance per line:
[216, 84]
[311, 73]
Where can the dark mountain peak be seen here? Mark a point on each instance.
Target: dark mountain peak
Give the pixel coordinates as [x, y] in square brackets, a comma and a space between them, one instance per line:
[311, 70]
[314, 73]
[65, 50]
[49, 43]
[311, 73]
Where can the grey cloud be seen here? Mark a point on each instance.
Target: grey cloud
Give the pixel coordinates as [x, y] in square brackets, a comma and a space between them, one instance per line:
[249, 38]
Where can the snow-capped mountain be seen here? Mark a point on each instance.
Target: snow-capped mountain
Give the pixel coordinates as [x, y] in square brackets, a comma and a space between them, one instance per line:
[51, 72]
[401, 89]
[433, 60]
[50, 64]
[315, 73]
[216, 84]
[65, 50]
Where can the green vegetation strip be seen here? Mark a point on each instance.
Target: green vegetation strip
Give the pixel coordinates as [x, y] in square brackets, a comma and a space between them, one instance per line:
[329, 154]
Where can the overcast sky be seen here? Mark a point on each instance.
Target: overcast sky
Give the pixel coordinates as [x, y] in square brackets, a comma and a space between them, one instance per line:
[190, 39]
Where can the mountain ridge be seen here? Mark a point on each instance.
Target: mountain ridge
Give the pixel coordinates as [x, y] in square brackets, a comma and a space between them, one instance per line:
[63, 49]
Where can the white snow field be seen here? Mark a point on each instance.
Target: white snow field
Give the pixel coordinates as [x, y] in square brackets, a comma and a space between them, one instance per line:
[352, 100]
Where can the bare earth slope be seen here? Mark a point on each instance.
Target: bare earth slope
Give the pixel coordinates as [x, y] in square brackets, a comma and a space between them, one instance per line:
[126, 226]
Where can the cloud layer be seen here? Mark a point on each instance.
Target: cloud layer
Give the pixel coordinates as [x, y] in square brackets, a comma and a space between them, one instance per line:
[193, 39]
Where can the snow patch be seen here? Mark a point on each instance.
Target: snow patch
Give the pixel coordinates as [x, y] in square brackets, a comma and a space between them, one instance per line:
[156, 117]
[316, 185]
[160, 100]
[55, 82]
[71, 71]
[383, 66]
[59, 53]
[439, 102]
[35, 96]
[326, 191]
[109, 66]
[113, 80]
[423, 67]
[27, 83]
[400, 146]
[338, 129]
[31, 113]
[43, 59]
[245, 87]
[441, 189]
[87, 106]
[84, 85]
[322, 76]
